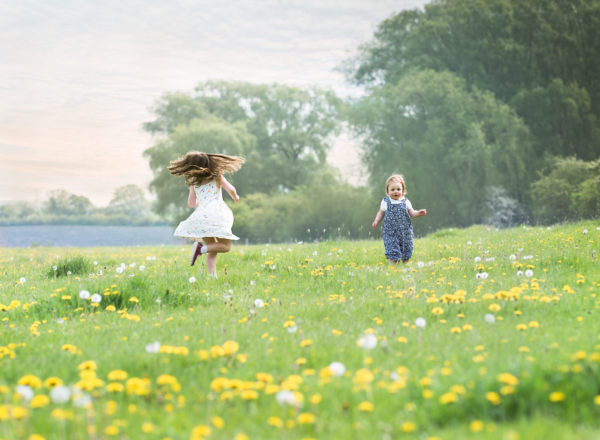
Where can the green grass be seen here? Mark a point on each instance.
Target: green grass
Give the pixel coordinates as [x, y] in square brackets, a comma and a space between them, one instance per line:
[532, 373]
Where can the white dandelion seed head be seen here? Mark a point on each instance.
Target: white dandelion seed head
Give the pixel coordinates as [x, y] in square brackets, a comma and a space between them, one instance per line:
[25, 392]
[158, 301]
[68, 272]
[142, 268]
[420, 264]
[478, 275]
[258, 303]
[132, 264]
[337, 368]
[192, 279]
[252, 283]
[484, 275]
[420, 322]
[292, 329]
[54, 268]
[84, 294]
[119, 269]
[153, 347]
[512, 257]
[528, 273]
[60, 321]
[82, 400]
[585, 231]
[469, 243]
[519, 273]
[477, 259]
[60, 394]
[489, 318]
[22, 280]
[96, 298]
[368, 341]
[95, 263]
[285, 397]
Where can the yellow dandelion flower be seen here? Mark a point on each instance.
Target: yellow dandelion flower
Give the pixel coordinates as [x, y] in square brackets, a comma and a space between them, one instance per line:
[115, 387]
[449, 397]
[217, 422]
[366, 406]
[306, 343]
[493, 397]
[249, 395]
[30, 380]
[306, 418]
[230, 348]
[39, 401]
[200, 431]
[275, 421]
[117, 375]
[408, 427]
[508, 379]
[476, 426]
[148, 427]
[556, 396]
[52, 382]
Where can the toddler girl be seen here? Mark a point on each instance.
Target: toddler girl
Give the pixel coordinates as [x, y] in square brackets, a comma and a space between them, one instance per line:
[397, 227]
[210, 223]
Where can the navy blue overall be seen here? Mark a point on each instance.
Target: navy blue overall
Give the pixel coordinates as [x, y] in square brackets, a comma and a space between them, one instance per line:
[397, 231]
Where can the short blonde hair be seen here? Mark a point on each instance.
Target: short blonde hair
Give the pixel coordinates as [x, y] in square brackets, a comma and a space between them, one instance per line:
[395, 178]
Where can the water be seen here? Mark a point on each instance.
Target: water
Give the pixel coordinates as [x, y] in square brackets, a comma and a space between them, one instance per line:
[80, 235]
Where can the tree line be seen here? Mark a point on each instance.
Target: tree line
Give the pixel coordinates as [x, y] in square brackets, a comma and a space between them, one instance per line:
[488, 107]
[128, 206]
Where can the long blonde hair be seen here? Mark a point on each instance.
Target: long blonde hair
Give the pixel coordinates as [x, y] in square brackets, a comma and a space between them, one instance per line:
[395, 178]
[199, 168]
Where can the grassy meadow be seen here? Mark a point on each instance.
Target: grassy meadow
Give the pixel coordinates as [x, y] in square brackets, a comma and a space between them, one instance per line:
[485, 334]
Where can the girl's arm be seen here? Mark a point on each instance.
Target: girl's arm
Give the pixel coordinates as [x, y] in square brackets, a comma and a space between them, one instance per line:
[418, 213]
[378, 218]
[192, 202]
[230, 189]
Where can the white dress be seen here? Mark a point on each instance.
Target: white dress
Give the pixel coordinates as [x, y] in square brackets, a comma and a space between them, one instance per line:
[211, 218]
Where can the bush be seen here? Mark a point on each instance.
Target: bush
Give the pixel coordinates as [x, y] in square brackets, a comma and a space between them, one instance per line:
[568, 189]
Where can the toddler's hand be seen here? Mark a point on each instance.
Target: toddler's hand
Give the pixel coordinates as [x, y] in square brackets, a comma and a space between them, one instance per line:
[374, 225]
[423, 212]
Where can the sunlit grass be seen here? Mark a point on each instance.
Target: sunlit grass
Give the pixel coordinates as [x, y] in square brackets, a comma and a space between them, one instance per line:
[307, 340]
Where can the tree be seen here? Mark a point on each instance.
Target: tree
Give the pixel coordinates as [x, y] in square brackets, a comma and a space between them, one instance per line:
[63, 203]
[129, 201]
[539, 56]
[450, 143]
[283, 133]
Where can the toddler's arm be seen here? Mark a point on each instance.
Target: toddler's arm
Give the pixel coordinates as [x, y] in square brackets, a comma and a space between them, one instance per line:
[230, 189]
[192, 202]
[378, 218]
[418, 213]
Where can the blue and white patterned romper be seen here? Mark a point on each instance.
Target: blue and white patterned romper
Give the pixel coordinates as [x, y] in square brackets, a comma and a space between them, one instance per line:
[397, 231]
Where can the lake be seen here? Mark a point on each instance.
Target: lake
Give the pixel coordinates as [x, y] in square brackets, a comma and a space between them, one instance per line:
[85, 235]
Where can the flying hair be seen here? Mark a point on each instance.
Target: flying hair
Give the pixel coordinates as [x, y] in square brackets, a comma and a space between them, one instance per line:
[199, 168]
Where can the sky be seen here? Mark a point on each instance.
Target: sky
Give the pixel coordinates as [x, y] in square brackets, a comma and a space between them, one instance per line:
[78, 78]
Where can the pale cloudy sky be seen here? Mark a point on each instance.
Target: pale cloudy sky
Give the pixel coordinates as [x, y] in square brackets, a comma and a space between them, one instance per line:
[78, 77]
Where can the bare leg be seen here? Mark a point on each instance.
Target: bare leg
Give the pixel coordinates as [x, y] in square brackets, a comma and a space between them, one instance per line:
[214, 248]
[394, 262]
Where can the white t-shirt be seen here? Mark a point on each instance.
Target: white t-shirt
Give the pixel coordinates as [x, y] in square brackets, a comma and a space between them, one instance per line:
[395, 202]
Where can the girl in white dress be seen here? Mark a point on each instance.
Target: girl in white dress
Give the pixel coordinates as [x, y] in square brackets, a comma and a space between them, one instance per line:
[210, 223]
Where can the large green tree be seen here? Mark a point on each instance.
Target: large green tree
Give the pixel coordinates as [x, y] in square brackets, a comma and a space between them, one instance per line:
[451, 143]
[541, 57]
[283, 132]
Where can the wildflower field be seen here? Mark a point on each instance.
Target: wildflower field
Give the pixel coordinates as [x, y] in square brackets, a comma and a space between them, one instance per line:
[485, 334]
